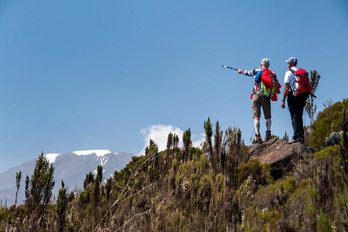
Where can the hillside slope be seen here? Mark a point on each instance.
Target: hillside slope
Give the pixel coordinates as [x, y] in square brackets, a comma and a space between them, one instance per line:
[225, 186]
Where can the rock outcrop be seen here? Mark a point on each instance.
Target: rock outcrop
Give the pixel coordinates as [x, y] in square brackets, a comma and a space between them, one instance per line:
[281, 155]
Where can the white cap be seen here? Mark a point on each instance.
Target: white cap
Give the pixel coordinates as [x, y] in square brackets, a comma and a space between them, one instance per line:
[292, 60]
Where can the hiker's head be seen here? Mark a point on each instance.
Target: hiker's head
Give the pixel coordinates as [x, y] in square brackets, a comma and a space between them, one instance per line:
[292, 61]
[265, 63]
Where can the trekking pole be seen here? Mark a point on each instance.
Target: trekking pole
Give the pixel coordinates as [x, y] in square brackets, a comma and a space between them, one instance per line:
[225, 66]
[252, 134]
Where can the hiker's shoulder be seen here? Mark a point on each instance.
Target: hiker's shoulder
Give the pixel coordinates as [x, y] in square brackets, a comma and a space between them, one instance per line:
[295, 68]
[288, 73]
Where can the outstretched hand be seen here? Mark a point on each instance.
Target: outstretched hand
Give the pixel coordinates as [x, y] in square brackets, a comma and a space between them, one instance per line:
[240, 71]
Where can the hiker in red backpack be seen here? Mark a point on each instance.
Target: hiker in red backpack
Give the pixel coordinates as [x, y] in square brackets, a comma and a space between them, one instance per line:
[266, 87]
[297, 89]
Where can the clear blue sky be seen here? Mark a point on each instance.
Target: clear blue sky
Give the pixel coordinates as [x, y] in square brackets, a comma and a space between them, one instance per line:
[83, 75]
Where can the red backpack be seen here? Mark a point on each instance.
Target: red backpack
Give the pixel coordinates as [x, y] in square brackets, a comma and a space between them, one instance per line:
[302, 84]
[270, 81]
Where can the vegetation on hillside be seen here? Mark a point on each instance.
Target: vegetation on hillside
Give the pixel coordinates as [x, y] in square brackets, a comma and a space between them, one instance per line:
[328, 121]
[214, 188]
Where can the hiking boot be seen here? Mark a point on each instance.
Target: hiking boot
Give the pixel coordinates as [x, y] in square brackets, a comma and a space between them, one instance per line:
[258, 138]
[298, 140]
[301, 140]
[268, 135]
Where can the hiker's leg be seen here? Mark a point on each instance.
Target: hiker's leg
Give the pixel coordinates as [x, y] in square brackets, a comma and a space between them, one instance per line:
[297, 119]
[266, 106]
[300, 107]
[294, 115]
[256, 108]
[268, 124]
[257, 125]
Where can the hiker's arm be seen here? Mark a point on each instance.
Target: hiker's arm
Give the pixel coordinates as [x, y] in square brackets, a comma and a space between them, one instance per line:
[248, 73]
[286, 91]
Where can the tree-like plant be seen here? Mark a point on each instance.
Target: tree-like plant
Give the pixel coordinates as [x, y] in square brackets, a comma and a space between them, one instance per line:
[310, 107]
[62, 202]
[41, 184]
[186, 138]
[208, 139]
[18, 183]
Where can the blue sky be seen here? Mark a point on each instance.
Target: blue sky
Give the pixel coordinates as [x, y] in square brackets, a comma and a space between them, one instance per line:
[85, 75]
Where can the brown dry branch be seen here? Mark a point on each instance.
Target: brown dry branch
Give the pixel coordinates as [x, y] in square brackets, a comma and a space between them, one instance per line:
[127, 189]
[149, 210]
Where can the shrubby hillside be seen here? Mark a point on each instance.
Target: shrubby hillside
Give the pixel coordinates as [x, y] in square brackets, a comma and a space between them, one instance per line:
[216, 188]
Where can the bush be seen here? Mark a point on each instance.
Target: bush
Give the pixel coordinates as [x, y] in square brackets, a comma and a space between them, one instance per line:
[85, 197]
[324, 154]
[2, 214]
[260, 173]
[329, 120]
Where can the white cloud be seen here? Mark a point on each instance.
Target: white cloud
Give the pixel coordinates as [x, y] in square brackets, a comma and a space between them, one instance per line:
[159, 134]
[197, 140]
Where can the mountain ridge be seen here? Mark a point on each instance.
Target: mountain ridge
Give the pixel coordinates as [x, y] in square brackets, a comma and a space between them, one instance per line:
[69, 167]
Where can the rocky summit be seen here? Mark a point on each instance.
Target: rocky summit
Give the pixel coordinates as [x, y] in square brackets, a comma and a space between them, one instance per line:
[281, 155]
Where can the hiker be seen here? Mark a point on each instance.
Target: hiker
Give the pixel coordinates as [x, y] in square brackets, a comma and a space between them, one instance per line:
[260, 99]
[296, 102]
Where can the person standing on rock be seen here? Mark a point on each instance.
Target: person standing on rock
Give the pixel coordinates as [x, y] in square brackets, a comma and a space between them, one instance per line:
[260, 99]
[296, 104]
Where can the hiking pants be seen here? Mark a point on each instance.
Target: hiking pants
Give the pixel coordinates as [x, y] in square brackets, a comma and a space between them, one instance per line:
[256, 103]
[296, 106]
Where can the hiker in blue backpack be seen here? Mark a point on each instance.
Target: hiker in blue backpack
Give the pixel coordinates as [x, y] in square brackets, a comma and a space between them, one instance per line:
[259, 101]
[296, 101]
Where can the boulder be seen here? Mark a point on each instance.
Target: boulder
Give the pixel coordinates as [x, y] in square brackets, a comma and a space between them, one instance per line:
[281, 155]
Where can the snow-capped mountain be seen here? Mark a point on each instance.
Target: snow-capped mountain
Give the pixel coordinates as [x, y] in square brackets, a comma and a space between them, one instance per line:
[71, 168]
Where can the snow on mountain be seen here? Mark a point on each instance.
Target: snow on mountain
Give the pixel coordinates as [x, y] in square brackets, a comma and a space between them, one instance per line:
[52, 157]
[71, 168]
[99, 153]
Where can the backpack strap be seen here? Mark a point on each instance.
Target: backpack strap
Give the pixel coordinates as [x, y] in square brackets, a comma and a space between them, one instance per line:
[294, 72]
[296, 79]
[258, 76]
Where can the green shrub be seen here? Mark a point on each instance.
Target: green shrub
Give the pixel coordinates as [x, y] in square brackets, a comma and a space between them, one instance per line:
[2, 214]
[329, 120]
[260, 173]
[85, 197]
[324, 153]
[324, 222]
